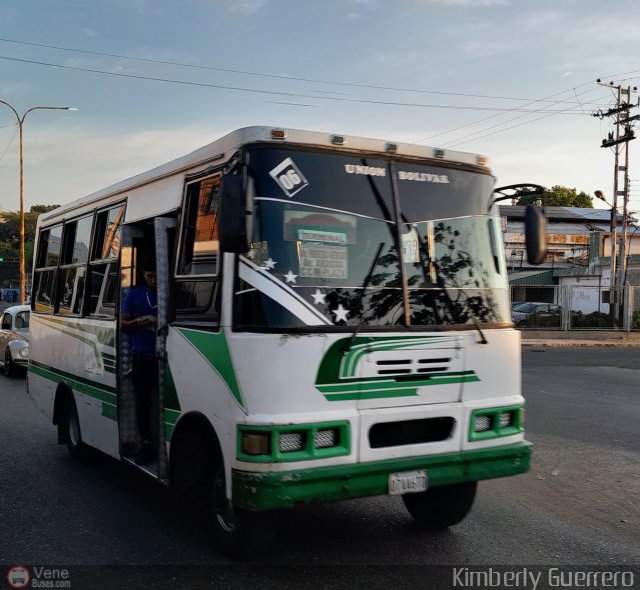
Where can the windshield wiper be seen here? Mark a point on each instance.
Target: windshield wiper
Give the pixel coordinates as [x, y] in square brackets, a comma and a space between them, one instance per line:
[367, 280]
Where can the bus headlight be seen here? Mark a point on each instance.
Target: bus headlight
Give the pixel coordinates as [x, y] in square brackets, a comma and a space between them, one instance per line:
[293, 442]
[256, 443]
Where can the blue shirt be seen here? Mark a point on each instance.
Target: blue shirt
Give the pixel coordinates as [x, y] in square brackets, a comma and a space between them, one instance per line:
[140, 302]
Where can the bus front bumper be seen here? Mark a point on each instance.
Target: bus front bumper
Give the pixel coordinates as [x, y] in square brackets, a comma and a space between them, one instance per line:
[285, 489]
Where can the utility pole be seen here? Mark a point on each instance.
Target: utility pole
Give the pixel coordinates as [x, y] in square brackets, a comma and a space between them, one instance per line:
[619, 140]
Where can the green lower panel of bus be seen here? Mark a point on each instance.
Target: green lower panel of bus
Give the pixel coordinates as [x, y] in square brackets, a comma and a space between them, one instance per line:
[285, 489]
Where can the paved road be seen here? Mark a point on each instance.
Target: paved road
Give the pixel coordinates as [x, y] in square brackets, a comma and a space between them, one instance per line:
[578, 505]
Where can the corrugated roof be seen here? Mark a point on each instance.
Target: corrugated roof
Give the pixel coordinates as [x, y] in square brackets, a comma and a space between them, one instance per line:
[582, 214]
[532, 277]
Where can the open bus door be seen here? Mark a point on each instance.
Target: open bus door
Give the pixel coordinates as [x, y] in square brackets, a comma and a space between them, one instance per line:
[138, 238]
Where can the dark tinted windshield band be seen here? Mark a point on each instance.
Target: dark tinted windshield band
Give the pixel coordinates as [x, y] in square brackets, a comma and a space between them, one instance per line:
[320, 207]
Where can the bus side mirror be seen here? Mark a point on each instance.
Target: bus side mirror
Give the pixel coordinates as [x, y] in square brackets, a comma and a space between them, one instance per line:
[535, 231]
[233, 230]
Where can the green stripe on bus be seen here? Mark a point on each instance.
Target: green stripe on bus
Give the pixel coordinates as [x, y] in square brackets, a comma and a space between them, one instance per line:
[171, 401]
[171, 416]
[391, 383]
[110, 411]
[103, 393]
[380, 388]
[94, 389]
[337, 378]
[213, 347]
[338, 397]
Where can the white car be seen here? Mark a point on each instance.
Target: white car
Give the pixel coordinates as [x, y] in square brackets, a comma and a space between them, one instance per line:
[14, 339]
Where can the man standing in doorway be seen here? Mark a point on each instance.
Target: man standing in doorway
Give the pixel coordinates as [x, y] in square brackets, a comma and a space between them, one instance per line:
[139, 318]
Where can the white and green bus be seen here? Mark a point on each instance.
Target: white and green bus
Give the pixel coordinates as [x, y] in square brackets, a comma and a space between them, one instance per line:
[333, 322]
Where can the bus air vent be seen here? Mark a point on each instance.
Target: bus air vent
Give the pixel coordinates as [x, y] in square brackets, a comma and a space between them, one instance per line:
[410, 366]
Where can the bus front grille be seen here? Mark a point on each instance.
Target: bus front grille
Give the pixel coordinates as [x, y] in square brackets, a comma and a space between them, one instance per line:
[410, 432]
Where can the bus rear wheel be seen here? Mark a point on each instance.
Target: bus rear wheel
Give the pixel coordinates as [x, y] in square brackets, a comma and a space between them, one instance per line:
[78, 450]
[443, 506]
[239, 534]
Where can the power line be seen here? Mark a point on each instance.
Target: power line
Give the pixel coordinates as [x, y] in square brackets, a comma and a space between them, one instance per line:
[534, 102]
[261, 74]
[275, 92]
[9, 144]
[493, 117]
[479, 134]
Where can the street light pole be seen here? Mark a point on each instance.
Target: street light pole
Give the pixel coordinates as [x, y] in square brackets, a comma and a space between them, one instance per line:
[20, 121]
[613, 283]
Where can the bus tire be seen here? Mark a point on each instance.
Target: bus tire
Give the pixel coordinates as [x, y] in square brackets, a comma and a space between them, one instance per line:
[239, 534]
[78, 450]
[443, 506]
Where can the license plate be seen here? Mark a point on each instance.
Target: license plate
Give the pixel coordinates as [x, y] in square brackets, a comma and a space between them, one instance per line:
[408, 482]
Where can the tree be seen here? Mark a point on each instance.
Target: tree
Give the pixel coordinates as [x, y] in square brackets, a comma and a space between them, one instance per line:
[10, 239]
[43, 208]
[10, 225]
[560, 196]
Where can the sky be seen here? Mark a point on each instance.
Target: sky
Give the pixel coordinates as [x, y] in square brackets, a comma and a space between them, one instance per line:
[514, 80]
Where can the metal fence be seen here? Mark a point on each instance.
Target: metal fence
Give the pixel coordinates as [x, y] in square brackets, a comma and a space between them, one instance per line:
[574, 307]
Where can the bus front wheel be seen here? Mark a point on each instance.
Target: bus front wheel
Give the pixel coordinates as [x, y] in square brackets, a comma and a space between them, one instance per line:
[240, 534]
[442, 506]
[78, 450]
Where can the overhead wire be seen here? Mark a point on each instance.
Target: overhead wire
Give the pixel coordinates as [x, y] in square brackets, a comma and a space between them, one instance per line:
[273, 92]
[481, 133]
[487, 118]
[261, 74]
[9, 144]
[465, 139]
[460, 139]
[549, 97]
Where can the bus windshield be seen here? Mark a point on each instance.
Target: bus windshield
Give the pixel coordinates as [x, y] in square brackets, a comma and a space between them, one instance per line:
[319, 220]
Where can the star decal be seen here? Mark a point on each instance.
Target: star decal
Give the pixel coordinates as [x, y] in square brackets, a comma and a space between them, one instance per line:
[318, 297]
[290, 277]
[340, 313]
[269, 264]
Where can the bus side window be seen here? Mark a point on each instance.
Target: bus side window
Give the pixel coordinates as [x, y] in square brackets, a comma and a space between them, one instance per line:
[73, 265]
[199, 248]
[103, 267]
[196, 284]
[44, 280]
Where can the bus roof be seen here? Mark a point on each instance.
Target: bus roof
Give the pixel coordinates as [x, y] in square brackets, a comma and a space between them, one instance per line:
[223, 148]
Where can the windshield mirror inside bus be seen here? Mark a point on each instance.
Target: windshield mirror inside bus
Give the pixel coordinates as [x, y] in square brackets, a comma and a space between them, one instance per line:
[319, 219]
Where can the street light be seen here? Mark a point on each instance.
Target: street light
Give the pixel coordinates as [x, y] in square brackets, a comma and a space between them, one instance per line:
[20, 121]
